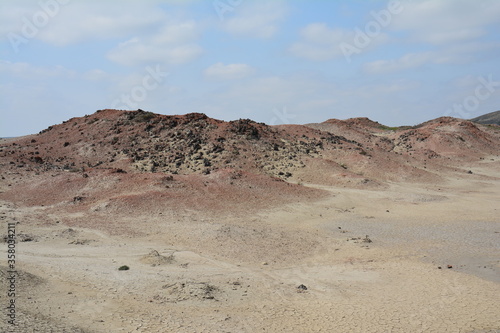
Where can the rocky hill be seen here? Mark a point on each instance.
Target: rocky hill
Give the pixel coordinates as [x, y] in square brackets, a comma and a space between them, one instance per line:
[492, 118]
[139, 141]
[192, 168]
[355, 151]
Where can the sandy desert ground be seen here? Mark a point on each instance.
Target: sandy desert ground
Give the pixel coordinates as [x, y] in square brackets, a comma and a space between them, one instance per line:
[369, 259]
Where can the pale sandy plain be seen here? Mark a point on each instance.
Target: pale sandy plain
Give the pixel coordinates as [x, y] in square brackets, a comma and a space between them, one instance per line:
[240, 272]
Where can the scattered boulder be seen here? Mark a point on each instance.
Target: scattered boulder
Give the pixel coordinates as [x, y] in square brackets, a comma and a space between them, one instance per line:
[189, 290]
[301, 288]
[26, 238]
[81, 242]
[367, 239]
[155, 259]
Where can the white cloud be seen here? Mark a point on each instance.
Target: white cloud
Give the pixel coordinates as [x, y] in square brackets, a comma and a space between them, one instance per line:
[73, 22]
[228, 72]
[159, 36]
[407, 61]
[26, 72]
[465, 82]
[446, 21]
[455, 54]
[96, 75]
[23, 70]
[319, 33]
[176, 33]
[256, 19]
[175, 43]
[318, 42]
[11, 16]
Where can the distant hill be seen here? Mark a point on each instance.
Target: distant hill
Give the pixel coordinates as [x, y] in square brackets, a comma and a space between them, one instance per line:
[488, 119]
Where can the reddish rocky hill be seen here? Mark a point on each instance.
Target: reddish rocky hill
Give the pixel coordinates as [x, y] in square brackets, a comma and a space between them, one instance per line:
[356, 151]
[139, 141]
[455, 138]
[131, 162]
[438, 143]
[137, 161]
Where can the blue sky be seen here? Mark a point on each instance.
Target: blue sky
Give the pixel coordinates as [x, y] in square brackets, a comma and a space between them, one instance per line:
[396, 62]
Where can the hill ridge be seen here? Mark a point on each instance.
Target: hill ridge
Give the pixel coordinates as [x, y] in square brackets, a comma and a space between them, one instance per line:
[492, 118]
[335, 151]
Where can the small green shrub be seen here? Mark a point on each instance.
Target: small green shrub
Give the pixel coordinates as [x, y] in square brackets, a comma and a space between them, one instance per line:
[144, 116]
[124, 268]
[388, 128]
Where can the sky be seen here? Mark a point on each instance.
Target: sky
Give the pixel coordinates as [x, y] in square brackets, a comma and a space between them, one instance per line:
[398, 62]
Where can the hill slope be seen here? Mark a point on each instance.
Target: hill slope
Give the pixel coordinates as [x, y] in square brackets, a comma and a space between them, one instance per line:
[492, 118]
[353, 151]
